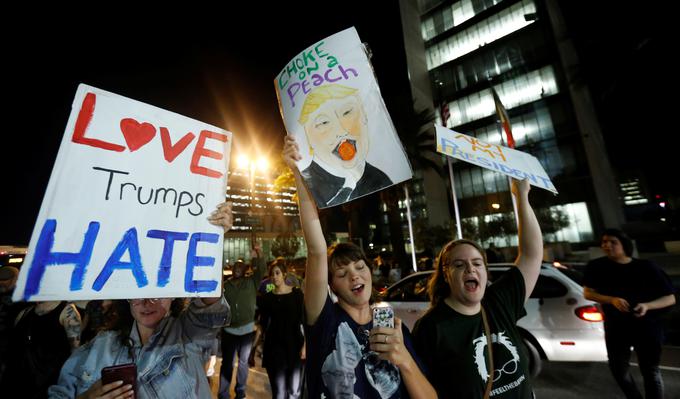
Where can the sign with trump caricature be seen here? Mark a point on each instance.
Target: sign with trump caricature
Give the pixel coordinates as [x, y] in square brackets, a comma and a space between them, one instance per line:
[331, 103]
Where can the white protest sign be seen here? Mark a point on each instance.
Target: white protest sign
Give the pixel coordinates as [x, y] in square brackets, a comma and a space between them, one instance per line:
[331, 103]
[508, 161]
[125, 211]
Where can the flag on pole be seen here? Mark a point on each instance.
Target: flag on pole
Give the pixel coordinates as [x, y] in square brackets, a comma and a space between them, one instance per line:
[445, 114]
[503, 116]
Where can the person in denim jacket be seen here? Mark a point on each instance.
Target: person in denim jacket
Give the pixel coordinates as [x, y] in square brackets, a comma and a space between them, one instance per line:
[169, 345]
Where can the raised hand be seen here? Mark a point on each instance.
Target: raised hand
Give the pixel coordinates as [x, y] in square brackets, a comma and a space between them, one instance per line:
[222, 216]
[389, 344]
[291, 152]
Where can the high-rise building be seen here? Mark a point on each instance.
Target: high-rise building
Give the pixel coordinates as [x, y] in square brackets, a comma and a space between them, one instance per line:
[262, 212]
[456, 51]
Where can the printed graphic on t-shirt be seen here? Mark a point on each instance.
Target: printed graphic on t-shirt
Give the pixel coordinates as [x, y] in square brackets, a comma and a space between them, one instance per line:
[338, 371]
[510, 364]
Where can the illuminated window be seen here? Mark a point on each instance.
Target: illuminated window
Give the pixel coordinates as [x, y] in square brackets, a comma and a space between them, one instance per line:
[479, 35]
[524, 89]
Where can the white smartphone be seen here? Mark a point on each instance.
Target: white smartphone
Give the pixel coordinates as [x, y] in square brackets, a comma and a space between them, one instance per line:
[383, 316]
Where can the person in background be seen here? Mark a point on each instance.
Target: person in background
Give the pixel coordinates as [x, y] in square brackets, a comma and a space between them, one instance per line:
[42, 338]
[281, 314]
[241, 293]
[96, 318]
[292, 279]
[493, 255]
[267, 285]
[469, 338]
[633, 293]
[8, 311]
[345, 354]
[169, 345]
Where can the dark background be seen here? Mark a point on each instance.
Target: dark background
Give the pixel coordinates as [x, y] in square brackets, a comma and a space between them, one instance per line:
[217, 65]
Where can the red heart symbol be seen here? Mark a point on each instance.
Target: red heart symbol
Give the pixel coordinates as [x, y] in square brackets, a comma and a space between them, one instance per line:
[136, 134]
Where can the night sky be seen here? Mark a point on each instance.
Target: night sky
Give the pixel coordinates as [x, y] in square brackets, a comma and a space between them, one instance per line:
[214, 65]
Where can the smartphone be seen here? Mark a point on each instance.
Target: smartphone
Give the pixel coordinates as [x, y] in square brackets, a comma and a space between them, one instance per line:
[383, 316]
[125, 372]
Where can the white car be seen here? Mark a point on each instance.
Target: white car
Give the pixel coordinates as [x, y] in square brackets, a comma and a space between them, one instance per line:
[560, 325]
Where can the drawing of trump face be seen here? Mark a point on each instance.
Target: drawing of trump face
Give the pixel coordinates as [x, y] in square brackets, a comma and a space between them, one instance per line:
[336, 126]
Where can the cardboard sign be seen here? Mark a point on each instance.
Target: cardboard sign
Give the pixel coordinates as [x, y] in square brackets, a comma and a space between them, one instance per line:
[330, 102]
[516, 164]
[125, 211]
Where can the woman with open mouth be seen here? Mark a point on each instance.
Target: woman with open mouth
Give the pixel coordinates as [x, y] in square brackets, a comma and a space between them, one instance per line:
[469, 339]
[346, 355]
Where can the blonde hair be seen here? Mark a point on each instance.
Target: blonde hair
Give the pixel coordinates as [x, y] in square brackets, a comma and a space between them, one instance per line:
[322, 94]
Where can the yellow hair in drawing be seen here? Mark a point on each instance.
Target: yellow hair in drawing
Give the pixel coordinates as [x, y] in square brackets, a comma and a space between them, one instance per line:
[322, 94]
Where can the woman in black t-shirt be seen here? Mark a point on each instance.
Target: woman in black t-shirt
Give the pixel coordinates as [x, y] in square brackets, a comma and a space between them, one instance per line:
[284, 344]
[468, 339]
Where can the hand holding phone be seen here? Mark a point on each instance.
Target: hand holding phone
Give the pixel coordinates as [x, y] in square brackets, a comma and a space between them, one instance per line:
[121, 372]
[383, 316]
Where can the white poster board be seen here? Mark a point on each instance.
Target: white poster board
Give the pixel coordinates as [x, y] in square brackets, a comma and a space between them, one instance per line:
[510, 162]
[125, 211]
[331, 103]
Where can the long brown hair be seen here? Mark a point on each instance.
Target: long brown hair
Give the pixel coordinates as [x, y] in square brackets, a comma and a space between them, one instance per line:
[438, 288]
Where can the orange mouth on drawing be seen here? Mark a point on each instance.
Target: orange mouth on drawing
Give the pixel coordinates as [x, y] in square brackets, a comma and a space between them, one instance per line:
[346, 150]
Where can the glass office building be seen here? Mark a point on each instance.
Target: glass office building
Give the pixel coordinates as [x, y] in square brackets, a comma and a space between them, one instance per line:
[457, 50]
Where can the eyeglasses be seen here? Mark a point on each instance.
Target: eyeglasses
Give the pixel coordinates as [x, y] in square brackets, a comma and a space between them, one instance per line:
[505, 369]
[135, 302]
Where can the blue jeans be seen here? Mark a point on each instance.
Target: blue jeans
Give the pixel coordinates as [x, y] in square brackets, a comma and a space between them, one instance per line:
[285, 382]
[232, 345]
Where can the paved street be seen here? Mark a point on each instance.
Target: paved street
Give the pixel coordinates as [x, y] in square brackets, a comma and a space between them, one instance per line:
[558, 380]
[562, 380]
[577, 380]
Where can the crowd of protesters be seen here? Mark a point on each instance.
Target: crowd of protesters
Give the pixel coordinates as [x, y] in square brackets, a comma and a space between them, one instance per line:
[315, 328]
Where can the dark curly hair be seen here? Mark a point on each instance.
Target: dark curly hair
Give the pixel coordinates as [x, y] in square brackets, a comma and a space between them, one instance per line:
[438, 289]
[280, 263]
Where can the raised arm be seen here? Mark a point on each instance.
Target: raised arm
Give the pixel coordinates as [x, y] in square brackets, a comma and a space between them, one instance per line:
[316, 276]
[259, 264]
[223, 217]
[530, 254]
[71, 321]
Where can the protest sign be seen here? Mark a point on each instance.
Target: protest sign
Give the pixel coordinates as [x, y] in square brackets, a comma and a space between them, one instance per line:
[125, 211]
[331, 103]
[513, 163]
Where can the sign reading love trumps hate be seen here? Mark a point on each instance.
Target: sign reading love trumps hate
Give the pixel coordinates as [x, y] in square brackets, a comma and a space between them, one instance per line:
[125, 211]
